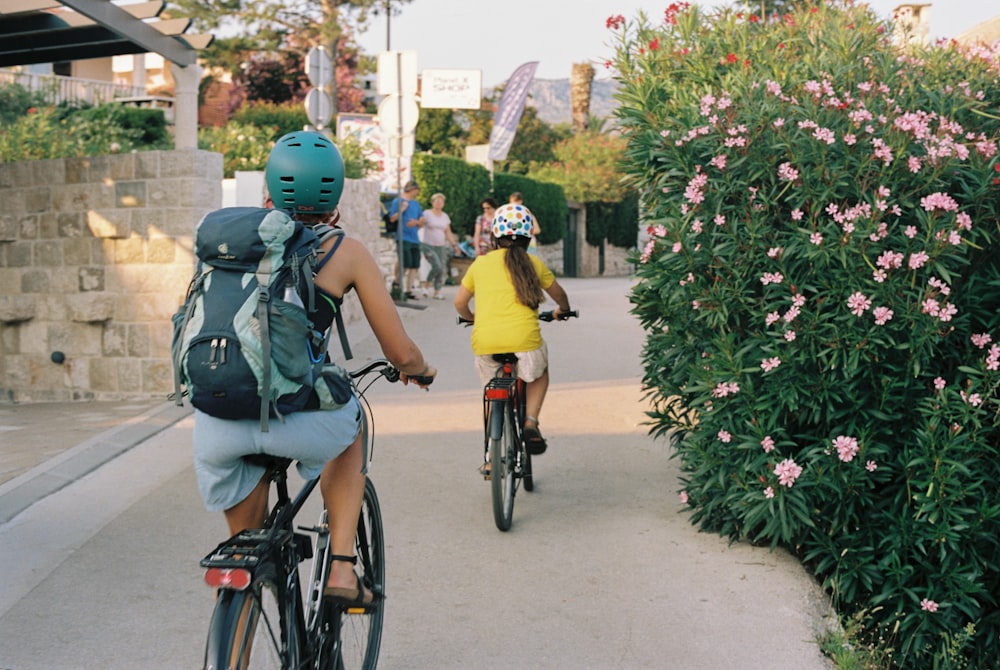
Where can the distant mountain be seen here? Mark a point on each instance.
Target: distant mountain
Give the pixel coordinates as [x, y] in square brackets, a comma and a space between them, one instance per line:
[551, 98]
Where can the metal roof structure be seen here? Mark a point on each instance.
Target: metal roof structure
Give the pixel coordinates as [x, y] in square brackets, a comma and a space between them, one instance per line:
[51, 31]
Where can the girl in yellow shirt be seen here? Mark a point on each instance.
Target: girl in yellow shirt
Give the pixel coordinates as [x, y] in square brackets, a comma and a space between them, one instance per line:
[508, 285]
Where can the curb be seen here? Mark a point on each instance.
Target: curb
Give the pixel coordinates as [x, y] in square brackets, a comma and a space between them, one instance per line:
[25, 490]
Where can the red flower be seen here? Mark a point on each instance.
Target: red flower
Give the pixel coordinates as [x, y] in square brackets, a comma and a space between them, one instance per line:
[32, 110]
[754, 18]
[615, 22]
[996, 166]
[731, 58]
[655, 44]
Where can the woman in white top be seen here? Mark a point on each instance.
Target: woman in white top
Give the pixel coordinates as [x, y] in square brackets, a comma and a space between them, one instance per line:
[439, 243]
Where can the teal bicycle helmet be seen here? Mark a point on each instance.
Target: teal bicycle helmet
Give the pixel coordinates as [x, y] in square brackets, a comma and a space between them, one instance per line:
[305, 173]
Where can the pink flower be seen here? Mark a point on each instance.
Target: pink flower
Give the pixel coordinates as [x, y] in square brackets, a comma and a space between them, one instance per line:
[816, 239]
[724, 436]
[677, 247]
[918, 259]
[882, 315]
[720, 220]
[769, 492]
[859, 303]
[981, 339]
[771, 318]
[871, 466]
[768, 444]
[993, 359]
[787, 471]
[939, 383]
[910, 231]
[771, 278]
[847, 448]
[928, 605]
[719, 161]
[939, 201]
[913, 163]
[973, 399]
[797, 214]
[684, 497]
[787, 172]
[790, 335]
[774, 252]
[769, 364]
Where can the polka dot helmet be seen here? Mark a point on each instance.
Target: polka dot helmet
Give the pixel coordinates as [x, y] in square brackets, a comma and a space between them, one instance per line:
[513, 219]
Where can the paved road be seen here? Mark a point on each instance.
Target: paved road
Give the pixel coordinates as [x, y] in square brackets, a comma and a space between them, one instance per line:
[600, 570]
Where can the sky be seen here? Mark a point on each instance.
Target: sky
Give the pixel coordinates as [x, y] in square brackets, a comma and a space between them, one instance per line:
[497, 36]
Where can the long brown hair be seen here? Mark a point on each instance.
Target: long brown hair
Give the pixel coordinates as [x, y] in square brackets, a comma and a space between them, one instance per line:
[522, 272]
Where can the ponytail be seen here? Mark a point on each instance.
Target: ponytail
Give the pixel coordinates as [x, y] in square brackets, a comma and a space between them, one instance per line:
[522, 271]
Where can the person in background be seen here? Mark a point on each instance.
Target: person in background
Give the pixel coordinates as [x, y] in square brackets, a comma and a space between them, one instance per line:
[508, 286]
[406, 211]
[482, 237]
[536, 230]
[439, 243]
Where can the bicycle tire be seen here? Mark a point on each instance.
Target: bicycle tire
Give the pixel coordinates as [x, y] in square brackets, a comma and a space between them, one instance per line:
[527, 478]
[356, 638]
[503, 451]
[246, 631]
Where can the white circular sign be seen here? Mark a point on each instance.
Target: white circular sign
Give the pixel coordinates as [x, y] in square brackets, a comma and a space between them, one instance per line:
[319, 107]
[398, 115]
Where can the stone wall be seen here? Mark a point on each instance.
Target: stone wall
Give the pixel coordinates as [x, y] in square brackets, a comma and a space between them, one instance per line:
[95, 257]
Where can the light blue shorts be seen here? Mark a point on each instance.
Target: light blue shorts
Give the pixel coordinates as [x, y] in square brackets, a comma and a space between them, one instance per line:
[312, 438]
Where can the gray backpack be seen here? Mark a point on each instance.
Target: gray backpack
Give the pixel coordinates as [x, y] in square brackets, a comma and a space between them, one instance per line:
[244, 343]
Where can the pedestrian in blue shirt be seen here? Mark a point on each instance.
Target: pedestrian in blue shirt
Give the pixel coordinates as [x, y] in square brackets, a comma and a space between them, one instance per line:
[407, 211]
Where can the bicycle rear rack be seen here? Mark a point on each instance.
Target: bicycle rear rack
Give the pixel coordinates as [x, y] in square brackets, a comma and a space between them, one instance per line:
[499, 388]
[249, 548]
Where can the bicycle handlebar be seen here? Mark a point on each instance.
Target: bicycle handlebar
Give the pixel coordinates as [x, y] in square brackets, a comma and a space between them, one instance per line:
[542, 316]
[387, 370]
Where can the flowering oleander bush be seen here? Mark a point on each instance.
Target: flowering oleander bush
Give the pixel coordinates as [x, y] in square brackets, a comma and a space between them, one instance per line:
[820, 291]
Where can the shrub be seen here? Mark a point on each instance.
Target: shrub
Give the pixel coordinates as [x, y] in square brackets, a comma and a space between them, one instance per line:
[58, 133]
[545, 199]
[821, 290]
[463, 184]
[16, 100]
[286, 118]
[244, 147]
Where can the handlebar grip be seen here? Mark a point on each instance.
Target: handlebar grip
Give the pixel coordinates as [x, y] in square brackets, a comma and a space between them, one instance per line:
[423, 380]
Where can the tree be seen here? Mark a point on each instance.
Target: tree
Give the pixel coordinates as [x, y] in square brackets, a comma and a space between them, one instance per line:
[587, 167]
[296, 25]
[439, 132]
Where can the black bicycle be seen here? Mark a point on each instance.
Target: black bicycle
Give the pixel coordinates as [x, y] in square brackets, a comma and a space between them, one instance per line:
[262, 618]
[504, 449]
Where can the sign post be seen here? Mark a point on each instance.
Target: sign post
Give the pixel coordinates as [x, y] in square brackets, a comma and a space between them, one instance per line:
[319, 69]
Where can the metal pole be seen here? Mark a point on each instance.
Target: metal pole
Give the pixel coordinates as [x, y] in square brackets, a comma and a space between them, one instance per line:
[399, 163]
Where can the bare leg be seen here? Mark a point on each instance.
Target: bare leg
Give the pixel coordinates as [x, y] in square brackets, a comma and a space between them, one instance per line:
[343, 487]
[534, 397]
[251, 511]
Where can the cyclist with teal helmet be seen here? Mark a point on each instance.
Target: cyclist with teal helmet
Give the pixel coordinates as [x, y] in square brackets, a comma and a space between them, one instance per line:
[305, 176]
[508, 285]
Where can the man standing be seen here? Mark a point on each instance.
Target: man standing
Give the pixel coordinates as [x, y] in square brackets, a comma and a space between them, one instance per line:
[406, 211]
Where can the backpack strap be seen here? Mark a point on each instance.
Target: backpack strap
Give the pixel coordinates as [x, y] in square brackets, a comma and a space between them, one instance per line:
[325, 233]
[178, 352]
[263, 276]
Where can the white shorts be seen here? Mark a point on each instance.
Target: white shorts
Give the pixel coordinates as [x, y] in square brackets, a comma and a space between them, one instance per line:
[530, 365]
[311, 437]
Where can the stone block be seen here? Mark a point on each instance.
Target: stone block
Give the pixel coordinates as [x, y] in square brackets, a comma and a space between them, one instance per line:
[21, 174]
[138, 340]
[18, 255]
[130, 193]
[38, 199]
[147, 164]
[48, 253]
[91, 278]
[122, 166]
[76, 374]
[10, 340]
[34, 337]
[181, 223]
[78, 251]
[77, 170]
[75, 339]
[148, 222]
[90, 307]
[52, 171]
[9, 228]
[35, 281]
[115, 340]
[157, 376]
[161, 250]
[132, 250]
[16, 308]
[63, 280]
[70, 225]
[129, 375]
[83, 197]
[113, 224]
[29, 226]
[103, 374]
[51, 307]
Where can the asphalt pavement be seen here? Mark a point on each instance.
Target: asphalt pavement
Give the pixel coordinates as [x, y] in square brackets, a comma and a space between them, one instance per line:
[101, 528]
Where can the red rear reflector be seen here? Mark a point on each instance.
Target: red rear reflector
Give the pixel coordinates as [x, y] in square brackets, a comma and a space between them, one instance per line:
[228, 578]
[497, 394]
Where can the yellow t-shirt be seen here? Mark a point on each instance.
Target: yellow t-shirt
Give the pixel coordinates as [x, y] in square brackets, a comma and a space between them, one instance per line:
[502, 324]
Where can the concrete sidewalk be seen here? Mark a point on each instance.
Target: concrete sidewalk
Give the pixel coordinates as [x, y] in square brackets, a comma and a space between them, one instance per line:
[615, 574]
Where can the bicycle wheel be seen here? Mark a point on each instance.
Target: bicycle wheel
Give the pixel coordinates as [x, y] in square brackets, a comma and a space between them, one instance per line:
[526, 476]
[356, 637]
[503, 451]
[246, 631]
